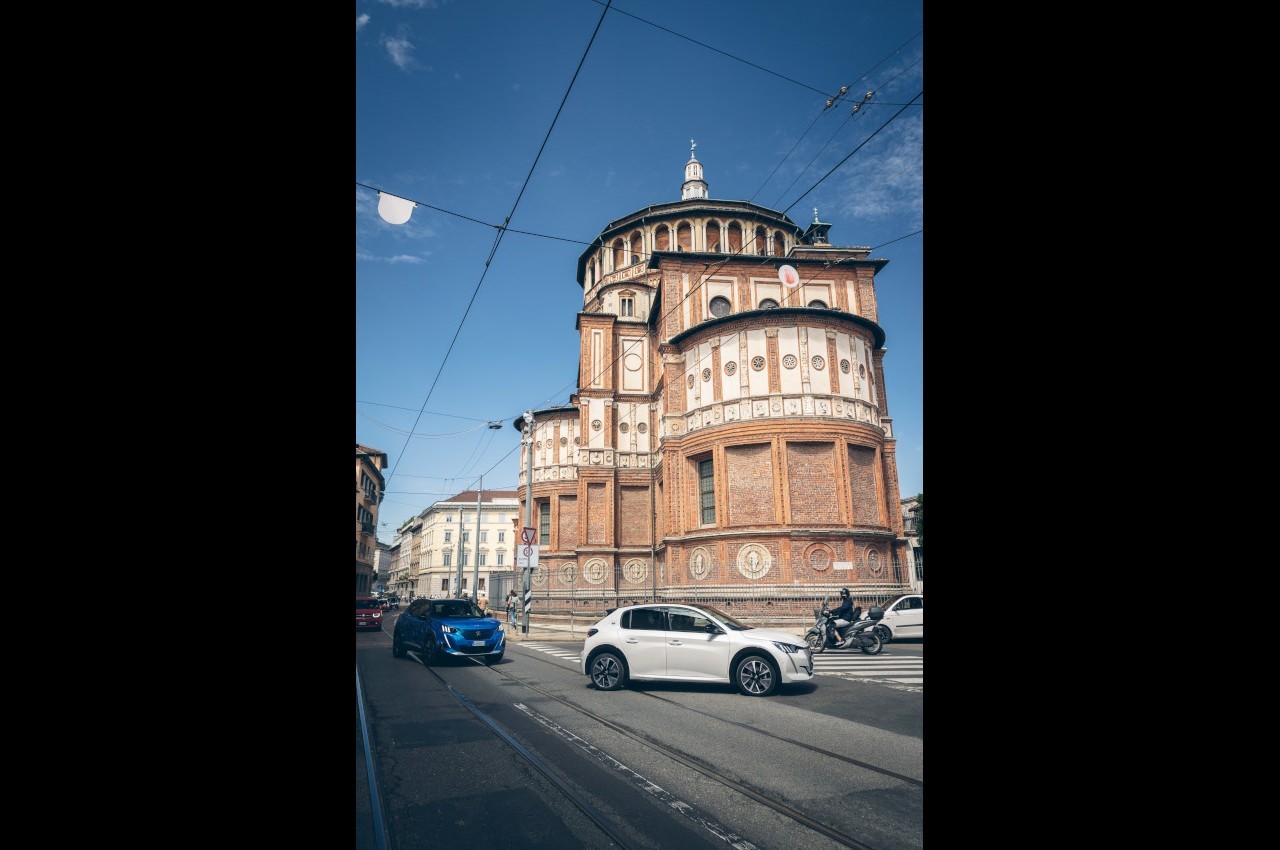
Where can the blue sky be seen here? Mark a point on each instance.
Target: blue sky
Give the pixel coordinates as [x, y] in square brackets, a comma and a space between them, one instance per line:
[461, 107]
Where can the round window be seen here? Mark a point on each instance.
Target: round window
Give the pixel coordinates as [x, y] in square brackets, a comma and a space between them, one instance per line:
[719, 306]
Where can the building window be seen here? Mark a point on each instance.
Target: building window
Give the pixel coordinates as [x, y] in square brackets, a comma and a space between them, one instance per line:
[502, 537]
[719, 306]
[768, 304]
[462, 558]
[484, 537]
[821, 305]
[444, 584]
[466, 537]
[544, 522]
[448, 537]
[448, 558]
[482, 558]
[707, 492]
[628, 307]
[501, 558]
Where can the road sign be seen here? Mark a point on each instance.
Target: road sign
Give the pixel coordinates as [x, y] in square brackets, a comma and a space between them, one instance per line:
[528, 535]
[527, 557]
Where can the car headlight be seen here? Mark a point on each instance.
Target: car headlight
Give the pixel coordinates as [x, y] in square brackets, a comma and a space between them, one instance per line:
[377, 613]
[790, 648]
[449, 630]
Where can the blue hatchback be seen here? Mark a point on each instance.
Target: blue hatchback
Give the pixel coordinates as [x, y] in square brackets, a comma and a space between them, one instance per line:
[440, 628]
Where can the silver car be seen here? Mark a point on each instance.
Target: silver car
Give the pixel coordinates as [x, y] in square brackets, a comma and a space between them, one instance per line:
[668, 642]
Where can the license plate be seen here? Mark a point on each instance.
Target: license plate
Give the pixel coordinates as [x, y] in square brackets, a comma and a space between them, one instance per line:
[477, 643]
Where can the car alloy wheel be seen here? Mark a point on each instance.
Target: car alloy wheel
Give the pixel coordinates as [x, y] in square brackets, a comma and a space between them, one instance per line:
[397, 650]
[606, 671]
[755, 676]
[884, 633]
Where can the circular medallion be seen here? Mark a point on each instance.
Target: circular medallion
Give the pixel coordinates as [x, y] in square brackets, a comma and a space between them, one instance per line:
[818, 362]
[699, 564]
[564, 441]
[538, 445]
[731, 367]
[634, 571]
[819, 559]
[633, 362]
[862, 370]
[757, 362]
[691, 382]
[754, 561]
[844, 366]
[595, 424]
[624, 427]
[576, 441]
[642, 427]
[789, 362]
[706, 374]
[538, 576]
[568, 573]
[873, 562]
[594, 571]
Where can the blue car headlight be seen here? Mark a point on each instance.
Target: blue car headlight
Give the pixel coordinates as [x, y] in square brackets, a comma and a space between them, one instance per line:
[449, 630]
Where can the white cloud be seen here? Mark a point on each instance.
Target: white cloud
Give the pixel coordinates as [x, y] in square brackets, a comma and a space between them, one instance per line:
[361, 20]
[400, 50]
[413, 4]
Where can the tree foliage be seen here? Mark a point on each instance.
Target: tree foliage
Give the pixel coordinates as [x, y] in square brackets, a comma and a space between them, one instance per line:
[920, 517]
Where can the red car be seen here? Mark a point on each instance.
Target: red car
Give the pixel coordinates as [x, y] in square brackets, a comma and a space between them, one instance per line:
[368, 612]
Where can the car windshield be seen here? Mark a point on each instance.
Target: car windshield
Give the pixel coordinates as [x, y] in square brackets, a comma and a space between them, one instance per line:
[367, 603]
[455, 608]
[725, 619]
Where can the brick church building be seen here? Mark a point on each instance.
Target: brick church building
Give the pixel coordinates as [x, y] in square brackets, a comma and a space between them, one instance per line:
[730, 438]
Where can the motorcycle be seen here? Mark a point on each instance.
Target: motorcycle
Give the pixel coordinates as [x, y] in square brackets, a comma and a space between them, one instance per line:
[861, 632]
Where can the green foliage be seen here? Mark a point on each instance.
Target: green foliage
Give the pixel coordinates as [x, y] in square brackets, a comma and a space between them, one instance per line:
[920, 518]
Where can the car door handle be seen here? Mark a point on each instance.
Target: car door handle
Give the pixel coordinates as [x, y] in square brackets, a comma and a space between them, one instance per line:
[631, 640]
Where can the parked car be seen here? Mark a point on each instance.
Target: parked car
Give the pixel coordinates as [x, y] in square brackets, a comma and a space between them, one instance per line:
[904, 617]
[445, 628]
[691, 643]
[368, 612]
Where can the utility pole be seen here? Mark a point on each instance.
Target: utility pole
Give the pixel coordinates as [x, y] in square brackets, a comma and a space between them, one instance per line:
[475, 570]
[528, 513]
[457, 591]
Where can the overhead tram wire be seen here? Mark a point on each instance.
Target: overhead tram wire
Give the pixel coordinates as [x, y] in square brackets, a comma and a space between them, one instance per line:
[498, 239]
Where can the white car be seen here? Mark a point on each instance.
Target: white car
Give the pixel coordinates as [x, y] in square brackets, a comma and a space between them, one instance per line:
[670, 642]
[904, 617]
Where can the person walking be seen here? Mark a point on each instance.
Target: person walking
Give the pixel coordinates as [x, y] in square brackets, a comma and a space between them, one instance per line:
[483, 602]
[511, 607]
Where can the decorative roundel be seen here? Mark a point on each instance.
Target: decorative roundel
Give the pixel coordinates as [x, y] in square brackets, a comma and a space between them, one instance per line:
[538, 576]
[624, 427]
[593, 571]
[699, 564]
[642, 427]
[564, 441]
[757, 362]
[789, 362]
[706, 374]
[691, 382]
[569, 573]
[844, 366]
[538, 445]
[873, 562]
[633, 362]
[731, 367]
[635, 571]
[577, 441]
[862, 370]
[754, 561]
[595, 424]
[818, 362]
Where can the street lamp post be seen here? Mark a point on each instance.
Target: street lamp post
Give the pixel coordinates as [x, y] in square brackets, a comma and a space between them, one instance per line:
[528, 513]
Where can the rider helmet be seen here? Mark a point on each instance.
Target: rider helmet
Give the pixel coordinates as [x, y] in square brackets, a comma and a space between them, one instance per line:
[844, 591]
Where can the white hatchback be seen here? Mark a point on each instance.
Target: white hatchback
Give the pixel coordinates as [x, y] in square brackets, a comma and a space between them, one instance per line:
[904, 617]
[669, 642]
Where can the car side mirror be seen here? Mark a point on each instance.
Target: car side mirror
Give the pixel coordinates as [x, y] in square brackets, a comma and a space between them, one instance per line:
[712, 629]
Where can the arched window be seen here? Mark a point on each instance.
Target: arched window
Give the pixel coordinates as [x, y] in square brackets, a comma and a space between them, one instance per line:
[779, 244]
[662, 238]
[719, 306]
[821, 305]
[768, 304]
[637, 247]
[713, 236]
[684, 237]
[762, 241]
[735, 238]
[619, 254]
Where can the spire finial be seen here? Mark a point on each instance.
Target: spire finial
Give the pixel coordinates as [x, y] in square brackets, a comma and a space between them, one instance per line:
[693, 146]
[815, 215]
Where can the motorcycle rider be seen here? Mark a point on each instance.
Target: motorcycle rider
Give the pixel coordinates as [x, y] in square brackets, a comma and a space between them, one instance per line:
[841, 616]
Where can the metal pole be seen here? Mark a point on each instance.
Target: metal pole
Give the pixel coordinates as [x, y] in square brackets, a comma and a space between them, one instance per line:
[528, 515]
[475, 569]
[457, 591]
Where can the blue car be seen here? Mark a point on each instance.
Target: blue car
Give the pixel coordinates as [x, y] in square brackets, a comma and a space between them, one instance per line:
[441, 628]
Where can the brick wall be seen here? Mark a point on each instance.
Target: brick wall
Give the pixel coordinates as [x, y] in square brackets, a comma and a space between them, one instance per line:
[597, 515]
[749, 481]
[567, 536]
[634, 523]
[811, 479]
[862, 483]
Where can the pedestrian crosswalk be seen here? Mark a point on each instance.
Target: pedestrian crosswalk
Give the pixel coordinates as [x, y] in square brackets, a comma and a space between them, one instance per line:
[902, 671]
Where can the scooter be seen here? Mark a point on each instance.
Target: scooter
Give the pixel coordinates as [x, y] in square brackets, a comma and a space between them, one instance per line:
[859, 633]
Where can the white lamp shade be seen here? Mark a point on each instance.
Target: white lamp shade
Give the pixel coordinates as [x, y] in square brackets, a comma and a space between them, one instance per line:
[394, 210]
